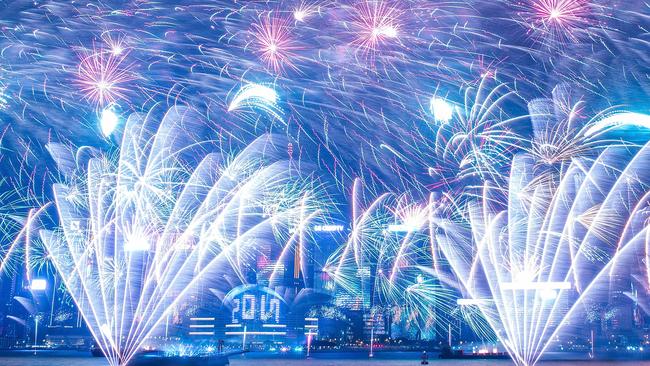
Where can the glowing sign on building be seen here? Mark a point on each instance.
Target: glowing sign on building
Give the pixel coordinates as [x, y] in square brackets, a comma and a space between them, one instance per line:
[262, 308]
[256, 309]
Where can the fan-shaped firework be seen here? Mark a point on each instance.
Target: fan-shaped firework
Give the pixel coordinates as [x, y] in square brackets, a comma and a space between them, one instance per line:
[138, 233]
[522, 262]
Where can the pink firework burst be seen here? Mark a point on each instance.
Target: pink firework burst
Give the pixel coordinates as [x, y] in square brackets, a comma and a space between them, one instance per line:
[374, 23]
[274, 44]
[305, 10]
[556, 22]
[116, 42]
[103, 76]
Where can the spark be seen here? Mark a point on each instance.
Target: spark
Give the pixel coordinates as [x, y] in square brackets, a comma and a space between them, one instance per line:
[253, 93]
[442, 110]
[257, 96]
[108, 121]
[619, 119]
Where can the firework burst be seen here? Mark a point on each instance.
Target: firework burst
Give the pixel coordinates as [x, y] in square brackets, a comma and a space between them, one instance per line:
[556, 23]
[103, 76]
[374, 24]
[381, 262]
[274, 42]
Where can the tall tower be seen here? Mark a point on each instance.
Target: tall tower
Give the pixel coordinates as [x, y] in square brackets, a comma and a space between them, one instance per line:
[297, 264]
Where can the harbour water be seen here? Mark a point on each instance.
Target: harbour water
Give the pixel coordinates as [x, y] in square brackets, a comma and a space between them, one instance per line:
[389, 359]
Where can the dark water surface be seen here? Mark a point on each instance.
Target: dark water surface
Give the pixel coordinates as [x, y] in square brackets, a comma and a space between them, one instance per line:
[72, 358]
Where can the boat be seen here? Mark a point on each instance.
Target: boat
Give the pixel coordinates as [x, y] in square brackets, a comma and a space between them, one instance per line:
[96, 351]
[448, 354]
[159, 358]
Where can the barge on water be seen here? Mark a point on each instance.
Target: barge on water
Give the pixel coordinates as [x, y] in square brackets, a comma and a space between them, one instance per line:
[448, 354]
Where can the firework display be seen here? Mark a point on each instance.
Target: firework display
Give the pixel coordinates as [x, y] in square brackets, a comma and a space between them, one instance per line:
[337, 173]
[138, 233]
